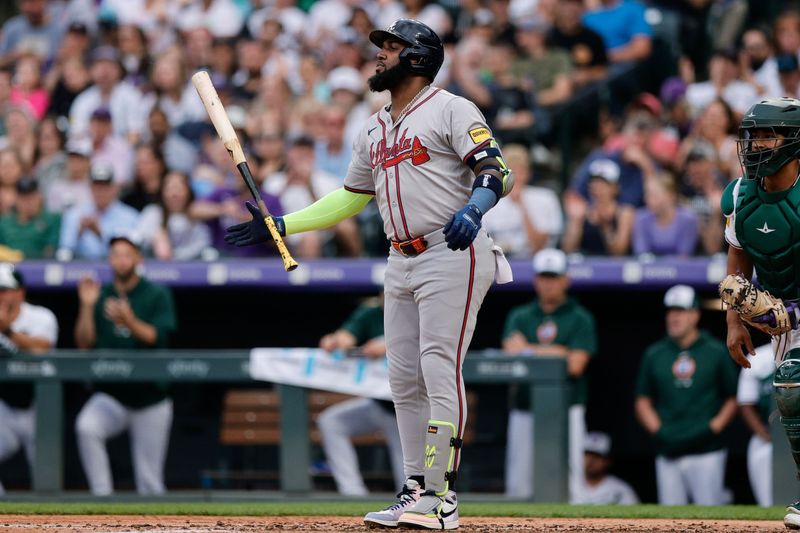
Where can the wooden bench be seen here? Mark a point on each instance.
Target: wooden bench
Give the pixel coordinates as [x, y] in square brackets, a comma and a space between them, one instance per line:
[251, 417]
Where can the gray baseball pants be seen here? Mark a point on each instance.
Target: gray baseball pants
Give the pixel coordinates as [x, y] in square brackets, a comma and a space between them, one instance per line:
[103, 417]
[431, 307]
[339, 423]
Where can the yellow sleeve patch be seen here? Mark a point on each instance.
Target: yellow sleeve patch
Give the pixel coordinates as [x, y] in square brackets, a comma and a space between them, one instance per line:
[479, 135]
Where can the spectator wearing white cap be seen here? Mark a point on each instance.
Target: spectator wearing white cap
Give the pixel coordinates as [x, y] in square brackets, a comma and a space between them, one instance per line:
[552, 325]
[24, 329]
[603, 225]
[598, 486]
[73, 188]
[87, 228]
[685, 398]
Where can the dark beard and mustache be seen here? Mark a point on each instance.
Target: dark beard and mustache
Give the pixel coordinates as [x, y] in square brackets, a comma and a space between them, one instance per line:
[125, 276]
[387, 80]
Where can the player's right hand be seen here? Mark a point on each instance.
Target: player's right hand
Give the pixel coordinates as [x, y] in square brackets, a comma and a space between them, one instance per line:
[88, 291]
[738, 335]
[253, 231]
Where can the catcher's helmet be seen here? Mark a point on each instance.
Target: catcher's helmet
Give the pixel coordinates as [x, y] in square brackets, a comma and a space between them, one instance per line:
[424, 46]
[781, 116]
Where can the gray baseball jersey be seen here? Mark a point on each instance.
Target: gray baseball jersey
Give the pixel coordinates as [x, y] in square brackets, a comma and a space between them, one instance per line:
[416, 169]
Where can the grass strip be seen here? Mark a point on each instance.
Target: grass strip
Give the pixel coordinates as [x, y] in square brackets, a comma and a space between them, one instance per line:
[345, 508]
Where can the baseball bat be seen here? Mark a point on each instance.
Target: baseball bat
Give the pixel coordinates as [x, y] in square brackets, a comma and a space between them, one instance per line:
[222, 123]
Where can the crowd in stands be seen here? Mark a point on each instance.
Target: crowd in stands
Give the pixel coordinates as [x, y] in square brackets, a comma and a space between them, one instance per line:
[101, 129]
[103, 134]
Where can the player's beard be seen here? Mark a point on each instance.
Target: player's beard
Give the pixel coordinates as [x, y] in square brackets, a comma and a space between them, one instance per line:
[387, 80]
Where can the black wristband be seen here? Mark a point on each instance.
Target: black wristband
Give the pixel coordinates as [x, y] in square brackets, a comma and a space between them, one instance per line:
[491, 182]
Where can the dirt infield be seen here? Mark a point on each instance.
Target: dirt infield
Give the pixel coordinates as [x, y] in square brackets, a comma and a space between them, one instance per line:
[316, 524]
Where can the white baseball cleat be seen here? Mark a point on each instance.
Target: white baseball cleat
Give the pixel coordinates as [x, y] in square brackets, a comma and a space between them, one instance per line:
[792, 518]
[432, 512]
[388, 517]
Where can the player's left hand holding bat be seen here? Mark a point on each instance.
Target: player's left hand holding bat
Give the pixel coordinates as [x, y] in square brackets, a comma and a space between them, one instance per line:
[253, 231]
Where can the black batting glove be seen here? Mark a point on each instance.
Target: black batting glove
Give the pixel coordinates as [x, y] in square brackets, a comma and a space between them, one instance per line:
[254, 231]
[463, 227]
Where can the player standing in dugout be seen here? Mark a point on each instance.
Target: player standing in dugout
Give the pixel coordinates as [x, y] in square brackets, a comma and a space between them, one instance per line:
[762, 211]
[431, 162]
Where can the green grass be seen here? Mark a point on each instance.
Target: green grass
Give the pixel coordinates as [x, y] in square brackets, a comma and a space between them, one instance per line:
[345, 508]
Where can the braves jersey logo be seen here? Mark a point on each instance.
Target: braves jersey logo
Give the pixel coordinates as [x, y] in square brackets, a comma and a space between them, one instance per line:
[401, 150]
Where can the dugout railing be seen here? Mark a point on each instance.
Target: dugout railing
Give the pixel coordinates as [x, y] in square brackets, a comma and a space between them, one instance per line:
[545, 377]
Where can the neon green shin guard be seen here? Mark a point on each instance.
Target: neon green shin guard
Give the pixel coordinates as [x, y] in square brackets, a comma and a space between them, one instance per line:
[440, 452]
[787, 396]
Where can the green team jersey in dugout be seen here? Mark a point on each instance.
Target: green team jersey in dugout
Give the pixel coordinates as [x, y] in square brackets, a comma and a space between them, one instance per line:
[153, 304]
[766, 225]
[365, 323]
[687, 387]
[570, 325]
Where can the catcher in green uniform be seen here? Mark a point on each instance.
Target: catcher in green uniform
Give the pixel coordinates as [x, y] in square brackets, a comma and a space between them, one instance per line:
[762, 211]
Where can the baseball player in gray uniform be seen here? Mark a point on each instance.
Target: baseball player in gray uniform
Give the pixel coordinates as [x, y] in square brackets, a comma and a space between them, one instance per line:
[432, 165]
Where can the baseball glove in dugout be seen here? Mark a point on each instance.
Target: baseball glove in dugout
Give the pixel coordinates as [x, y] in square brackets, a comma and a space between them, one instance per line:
[758, 307]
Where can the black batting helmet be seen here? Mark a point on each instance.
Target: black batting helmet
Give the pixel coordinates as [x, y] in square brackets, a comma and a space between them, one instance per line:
[424, 46]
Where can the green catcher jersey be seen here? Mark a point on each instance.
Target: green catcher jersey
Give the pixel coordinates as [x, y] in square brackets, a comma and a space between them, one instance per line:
[766, 225]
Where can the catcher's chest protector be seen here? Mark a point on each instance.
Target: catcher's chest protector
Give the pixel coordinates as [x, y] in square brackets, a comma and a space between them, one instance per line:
[768, 229]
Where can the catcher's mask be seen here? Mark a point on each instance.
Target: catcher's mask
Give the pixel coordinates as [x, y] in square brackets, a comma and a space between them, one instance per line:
[424, 54]
[775, 124]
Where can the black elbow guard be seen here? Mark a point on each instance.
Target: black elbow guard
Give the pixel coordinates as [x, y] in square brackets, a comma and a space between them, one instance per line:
[489, 181]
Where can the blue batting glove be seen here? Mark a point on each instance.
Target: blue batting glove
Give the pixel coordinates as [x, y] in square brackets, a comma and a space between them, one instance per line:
[462, 228]
[254, 231]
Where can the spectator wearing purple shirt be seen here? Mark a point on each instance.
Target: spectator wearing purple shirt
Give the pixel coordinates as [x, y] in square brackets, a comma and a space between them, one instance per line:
[226, 206]
[663, 227]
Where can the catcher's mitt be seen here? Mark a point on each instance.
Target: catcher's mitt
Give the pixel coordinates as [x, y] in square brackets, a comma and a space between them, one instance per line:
[757, 307]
